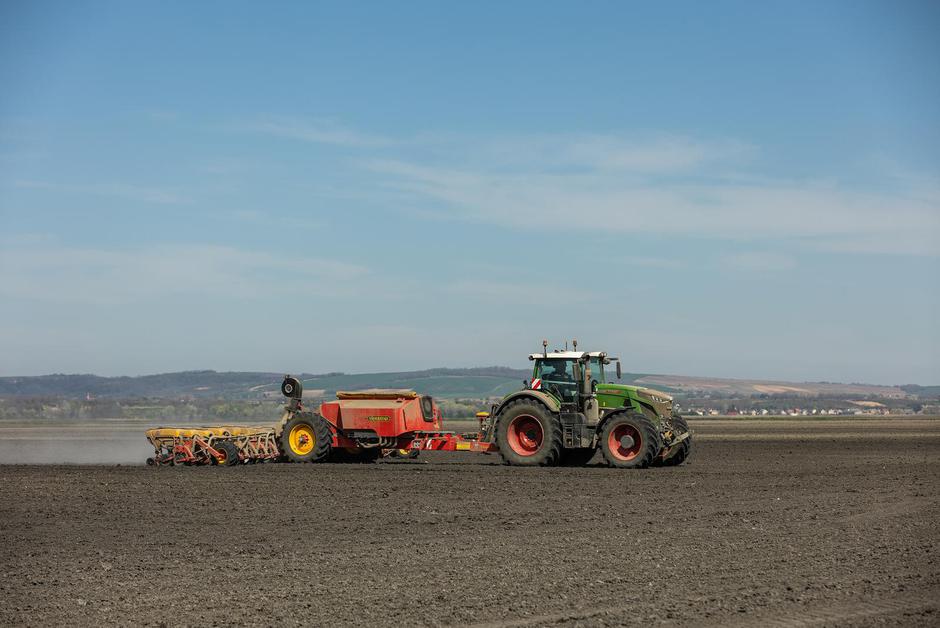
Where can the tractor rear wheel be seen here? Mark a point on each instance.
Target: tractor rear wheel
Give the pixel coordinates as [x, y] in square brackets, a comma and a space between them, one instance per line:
[629, 440]
[306, 437]
[228, 451]
[576, 457]
[528, 434]
[681, 451]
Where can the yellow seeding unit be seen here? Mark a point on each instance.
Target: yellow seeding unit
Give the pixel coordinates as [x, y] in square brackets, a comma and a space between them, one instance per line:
[222, 444]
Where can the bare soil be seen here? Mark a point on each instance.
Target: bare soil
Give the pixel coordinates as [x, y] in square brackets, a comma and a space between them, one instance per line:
[791, 524]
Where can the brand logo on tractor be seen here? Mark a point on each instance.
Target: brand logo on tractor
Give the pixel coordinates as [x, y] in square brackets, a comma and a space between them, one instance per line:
[378, 418]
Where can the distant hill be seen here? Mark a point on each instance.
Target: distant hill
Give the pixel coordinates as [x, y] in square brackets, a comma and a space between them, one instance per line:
[166, 385]
[450, 383]
[705, 386]
[923, 392]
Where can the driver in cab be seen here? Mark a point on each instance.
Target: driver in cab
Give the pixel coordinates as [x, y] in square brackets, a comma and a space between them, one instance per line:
[558, 372]
[558, 378]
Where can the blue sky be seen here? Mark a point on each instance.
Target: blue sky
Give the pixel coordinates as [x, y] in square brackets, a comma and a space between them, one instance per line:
[728, 189]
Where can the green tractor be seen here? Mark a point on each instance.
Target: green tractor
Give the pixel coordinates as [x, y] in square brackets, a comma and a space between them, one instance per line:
[568, 411]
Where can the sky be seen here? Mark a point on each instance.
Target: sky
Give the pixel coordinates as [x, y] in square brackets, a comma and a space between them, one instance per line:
[728, 189]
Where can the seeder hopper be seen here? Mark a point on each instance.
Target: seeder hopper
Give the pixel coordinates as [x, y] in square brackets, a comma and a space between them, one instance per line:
[359, 426]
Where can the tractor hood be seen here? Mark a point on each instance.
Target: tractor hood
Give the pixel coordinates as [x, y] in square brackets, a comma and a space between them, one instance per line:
[662, 402]
[637, 391]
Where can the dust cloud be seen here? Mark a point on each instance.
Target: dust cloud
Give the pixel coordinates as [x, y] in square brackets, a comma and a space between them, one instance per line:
[73, 445]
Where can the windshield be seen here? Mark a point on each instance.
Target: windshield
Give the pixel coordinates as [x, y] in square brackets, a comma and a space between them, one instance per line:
[554, 370]
[597, 371]
[557, 377]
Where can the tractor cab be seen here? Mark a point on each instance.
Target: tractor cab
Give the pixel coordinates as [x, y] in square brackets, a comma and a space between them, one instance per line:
[555, 374]
[570, 375]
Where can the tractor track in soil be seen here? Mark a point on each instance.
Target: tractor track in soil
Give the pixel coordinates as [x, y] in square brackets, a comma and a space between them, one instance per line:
[785, 524]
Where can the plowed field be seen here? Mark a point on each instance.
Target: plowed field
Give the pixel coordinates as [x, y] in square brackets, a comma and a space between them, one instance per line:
[769, 523]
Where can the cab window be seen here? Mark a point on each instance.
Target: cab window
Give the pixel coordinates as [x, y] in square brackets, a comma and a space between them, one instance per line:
[555, 371]
[558, 378]
[597, 371]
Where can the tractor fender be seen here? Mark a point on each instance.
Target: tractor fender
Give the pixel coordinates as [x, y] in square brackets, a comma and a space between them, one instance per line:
[545, 399]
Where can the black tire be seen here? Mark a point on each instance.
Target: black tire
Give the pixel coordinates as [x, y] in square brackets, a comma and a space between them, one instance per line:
[359, 455]
[292, 388]
[576, 457]
[304, 426]
[528, 434]
[682, 450]
[645, 446]
[229, 452]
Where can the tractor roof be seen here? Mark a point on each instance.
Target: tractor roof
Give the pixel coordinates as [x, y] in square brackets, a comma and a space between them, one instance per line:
[569, 355]
[558, 355]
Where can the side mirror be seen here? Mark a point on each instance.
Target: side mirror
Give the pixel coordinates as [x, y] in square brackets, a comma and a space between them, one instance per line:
[619, 374]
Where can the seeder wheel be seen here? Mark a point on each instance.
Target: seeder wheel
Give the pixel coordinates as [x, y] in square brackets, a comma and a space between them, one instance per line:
[306, 438]
[228, 453]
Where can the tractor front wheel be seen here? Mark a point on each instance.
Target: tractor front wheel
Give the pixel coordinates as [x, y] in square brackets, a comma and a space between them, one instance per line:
[306, 437]
[629, 440]
[528, 434]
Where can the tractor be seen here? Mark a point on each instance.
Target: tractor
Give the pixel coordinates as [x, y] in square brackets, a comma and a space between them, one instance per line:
[569, 410]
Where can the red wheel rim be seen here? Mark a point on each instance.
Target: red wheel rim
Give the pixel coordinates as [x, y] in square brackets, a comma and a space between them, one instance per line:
[525, 435]
[619, 442]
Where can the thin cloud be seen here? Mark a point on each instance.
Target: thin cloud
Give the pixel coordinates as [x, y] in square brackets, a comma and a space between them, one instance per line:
[111, 276]
[659, 184]
[531, 293]
[658, 155]
[759, 261]
[646, 154]
[316, 132]
[821, 215]
[162, 115]
[654, 262]
[116, 190]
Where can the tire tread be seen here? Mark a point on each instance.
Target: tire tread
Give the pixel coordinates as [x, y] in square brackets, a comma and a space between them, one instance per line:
[649, 433]
[321, 431]
[552, 429]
